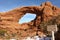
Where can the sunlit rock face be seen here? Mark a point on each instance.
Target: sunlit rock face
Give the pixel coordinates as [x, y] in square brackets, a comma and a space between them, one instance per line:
[9, 20]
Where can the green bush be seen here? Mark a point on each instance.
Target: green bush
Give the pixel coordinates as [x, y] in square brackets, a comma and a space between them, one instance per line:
[2, 32]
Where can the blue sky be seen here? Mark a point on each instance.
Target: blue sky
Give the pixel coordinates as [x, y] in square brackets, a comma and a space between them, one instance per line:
[6, 5]
[27, 18]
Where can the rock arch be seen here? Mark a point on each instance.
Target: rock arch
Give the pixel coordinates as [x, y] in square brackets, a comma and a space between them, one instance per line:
[43, 13]
[16, 14]
[10, 19]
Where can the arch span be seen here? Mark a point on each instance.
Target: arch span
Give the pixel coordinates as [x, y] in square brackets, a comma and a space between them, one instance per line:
[19, 12]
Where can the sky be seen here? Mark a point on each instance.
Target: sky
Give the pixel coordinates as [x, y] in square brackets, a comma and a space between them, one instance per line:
[6, 5]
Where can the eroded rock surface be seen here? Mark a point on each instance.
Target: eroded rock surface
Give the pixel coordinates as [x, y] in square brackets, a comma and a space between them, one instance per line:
[9, 20]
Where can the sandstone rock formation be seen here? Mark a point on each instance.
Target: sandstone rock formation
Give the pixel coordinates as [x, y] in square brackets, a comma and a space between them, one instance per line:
[9, 20]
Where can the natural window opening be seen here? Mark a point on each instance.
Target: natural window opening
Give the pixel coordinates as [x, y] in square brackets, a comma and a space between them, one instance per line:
[27, 18]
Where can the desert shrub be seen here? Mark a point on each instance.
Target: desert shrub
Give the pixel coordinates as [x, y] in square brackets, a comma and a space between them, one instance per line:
[2, 32]
[14, 34]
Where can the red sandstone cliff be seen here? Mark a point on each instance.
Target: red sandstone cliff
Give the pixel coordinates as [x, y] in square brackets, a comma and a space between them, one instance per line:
[9, 20]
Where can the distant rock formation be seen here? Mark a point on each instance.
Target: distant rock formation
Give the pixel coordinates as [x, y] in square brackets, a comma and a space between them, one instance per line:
[9, 20]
